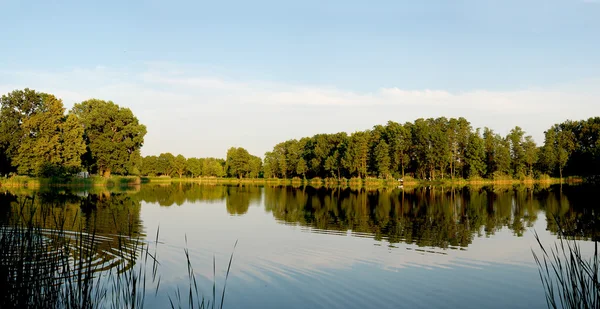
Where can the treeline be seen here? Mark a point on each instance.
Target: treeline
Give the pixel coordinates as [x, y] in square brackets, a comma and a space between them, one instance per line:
[440, 148]
[239, 163]
[37, 137]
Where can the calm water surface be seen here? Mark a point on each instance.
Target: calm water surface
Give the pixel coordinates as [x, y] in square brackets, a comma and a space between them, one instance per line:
[336, 248]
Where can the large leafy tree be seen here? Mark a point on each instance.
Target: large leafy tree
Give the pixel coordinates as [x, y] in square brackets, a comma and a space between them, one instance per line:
[194, 166]
[72, 143]
[36, 137]
[517, 151]
[113, 136]
[399, 140]
[530, 154]
[150, 166]
[357, 155]
[558, 147]
[166, 163]
[475, 155]
[382, 159]
[179, 165]
[16, 107]
[238, 162]
[40, 143]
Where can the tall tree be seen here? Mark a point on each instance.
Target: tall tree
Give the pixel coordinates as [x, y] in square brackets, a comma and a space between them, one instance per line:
[530, 154]
[166, 163]
[502, 155]
[475, 155]
[40, 143]
[16, 107]
[194, 167]
[489, 141]
[113, 136]
[561, 146]
[179, 165]
[517, 151]
[382, 159]
[255, 167]
[238, 162]
[72, 143]
[301, 168]
[357, 154]
[150, 166]
[399, 140]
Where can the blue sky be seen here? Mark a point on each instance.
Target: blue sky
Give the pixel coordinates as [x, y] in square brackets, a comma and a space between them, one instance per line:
[204, 76]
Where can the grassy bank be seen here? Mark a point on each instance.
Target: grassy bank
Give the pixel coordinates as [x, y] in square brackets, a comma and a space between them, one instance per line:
[31, 182]
[368, 182]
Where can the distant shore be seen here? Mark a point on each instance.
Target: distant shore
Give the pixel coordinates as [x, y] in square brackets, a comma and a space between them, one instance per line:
[24, 181]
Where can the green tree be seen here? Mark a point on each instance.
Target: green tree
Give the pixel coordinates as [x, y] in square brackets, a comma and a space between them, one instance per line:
[357, 155]
[16, 107]
[255, 167]
[475, 155]
[113, 136]
[301, 168]
[40, 143]
[166, 164]
[51, 144]
[179, 165]
[382, 159]
[150, 166]
[490, 142]
[530, 154]
[194, 167]
[238, 162]
[399, 140]
[213, 167]
[563, 148]
[73, 145]
[517, 151]
[502, 155]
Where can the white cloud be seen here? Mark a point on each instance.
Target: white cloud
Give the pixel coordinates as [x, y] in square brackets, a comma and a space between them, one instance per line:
[202, 115]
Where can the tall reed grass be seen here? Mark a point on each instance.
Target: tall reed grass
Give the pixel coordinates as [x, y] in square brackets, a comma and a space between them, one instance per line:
[57, 268]
[569, 278]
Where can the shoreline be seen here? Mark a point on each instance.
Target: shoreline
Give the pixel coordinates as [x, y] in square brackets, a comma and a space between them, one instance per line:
[125, 181]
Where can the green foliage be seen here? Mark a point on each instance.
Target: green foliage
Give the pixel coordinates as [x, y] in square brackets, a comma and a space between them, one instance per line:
[179, 165]
[382, 159]
[113, 136]
[165, 164]
[475, 156]
[238, 162]
[194, 167]
[37, 138]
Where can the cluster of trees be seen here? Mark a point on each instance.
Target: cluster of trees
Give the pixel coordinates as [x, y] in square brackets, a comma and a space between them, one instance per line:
[37, 138]
[239, 163]
[439, 148]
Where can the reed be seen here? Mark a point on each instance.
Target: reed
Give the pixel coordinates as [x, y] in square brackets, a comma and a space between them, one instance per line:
[54, 267]
[570, 280]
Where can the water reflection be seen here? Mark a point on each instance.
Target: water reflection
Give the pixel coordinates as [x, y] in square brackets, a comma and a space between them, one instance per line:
[427, 217]
[108, 224]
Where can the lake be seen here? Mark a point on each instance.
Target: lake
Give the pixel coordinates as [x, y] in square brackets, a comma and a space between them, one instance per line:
[305, 247]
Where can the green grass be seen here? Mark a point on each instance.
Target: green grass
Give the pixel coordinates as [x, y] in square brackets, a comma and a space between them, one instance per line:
[25, 181]
[355, 182]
